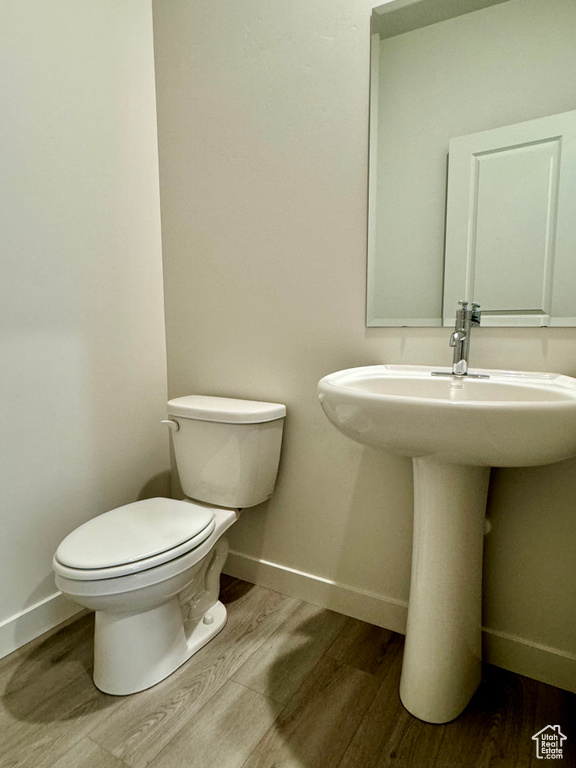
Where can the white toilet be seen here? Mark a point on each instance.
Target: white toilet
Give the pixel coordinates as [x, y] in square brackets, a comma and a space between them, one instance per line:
[151, 570]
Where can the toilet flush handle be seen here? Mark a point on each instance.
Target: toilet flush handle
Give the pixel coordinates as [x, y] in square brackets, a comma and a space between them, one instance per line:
[174, 426]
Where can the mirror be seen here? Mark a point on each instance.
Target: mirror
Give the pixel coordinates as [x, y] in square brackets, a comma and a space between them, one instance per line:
[472, 190]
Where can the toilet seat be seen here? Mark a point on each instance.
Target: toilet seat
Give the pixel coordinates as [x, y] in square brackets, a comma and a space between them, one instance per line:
[157, 577]
[133, 538]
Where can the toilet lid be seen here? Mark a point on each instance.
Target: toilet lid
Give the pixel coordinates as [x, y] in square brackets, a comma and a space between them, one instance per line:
[226, 410]
[152, 528]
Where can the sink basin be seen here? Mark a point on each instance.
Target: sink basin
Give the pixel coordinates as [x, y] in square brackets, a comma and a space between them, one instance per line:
[454, 429]
[510, 419]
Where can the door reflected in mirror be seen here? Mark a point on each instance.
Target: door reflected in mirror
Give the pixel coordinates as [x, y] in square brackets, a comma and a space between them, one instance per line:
[483, 81]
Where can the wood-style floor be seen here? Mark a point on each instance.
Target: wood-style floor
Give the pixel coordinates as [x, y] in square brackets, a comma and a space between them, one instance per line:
[285, 685]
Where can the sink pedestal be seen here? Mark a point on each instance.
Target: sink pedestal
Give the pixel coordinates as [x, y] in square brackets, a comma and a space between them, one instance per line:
[442, 657]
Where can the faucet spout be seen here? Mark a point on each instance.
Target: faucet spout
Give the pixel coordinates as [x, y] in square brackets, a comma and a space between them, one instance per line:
[457, 338]
[459, 361]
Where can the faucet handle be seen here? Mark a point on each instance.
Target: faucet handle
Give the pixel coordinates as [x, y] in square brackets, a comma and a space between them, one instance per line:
[461, 314]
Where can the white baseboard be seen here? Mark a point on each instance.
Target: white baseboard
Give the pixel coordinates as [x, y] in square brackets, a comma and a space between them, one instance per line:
[367, 606]
[541, 662]
[549, 665]
[34, 621]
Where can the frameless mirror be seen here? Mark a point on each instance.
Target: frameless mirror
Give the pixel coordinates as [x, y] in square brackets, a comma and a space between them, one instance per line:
[472, 162]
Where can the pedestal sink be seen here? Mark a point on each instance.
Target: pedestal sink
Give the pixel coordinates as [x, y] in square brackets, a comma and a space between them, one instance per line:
[454, 429]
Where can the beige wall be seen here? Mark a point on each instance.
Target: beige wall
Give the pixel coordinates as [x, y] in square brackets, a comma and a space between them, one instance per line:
[263, 117]
[82, 349]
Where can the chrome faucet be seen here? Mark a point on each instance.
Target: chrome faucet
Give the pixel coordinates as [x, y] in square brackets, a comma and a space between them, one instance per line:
[460, 339]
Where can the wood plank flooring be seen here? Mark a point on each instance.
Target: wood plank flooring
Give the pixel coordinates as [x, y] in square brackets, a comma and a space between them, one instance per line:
[284, 685]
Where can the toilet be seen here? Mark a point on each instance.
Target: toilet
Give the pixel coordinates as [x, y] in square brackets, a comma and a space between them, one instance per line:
[151, 570]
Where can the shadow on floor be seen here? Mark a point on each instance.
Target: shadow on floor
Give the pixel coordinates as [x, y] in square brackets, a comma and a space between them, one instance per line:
[347, 712]
[56, 668]
[50, 680]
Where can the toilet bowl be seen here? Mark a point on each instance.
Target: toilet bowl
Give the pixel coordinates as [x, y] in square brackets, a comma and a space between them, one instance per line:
[151, 569]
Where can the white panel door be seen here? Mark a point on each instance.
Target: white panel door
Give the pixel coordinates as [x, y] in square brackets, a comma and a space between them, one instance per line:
[511, 223]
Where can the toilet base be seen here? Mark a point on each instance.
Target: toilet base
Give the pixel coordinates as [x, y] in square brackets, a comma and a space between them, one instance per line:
[135, 651]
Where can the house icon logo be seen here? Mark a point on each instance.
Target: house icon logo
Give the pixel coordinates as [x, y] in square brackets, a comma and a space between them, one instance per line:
[549, 743]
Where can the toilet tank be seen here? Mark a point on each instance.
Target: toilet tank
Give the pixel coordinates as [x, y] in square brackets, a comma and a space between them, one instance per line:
[227, 450]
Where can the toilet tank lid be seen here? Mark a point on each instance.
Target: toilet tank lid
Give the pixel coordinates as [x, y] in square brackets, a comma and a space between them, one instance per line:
[227, 410]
